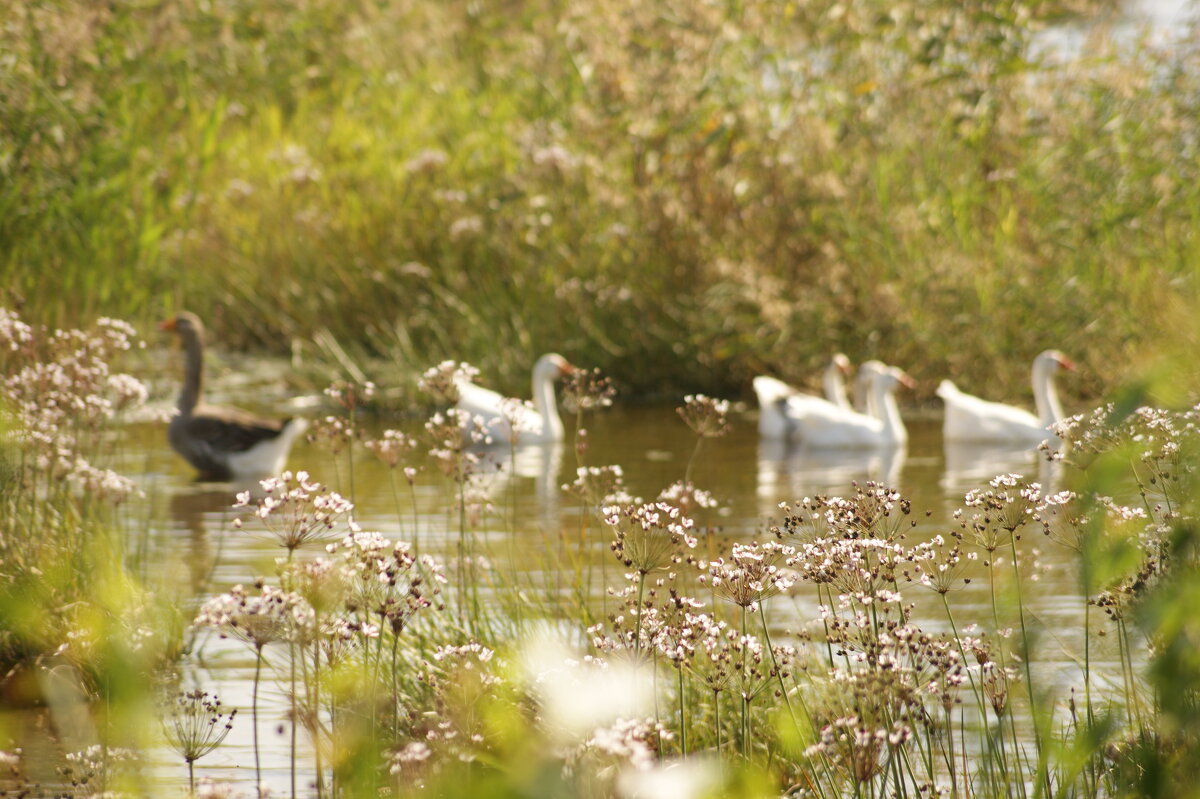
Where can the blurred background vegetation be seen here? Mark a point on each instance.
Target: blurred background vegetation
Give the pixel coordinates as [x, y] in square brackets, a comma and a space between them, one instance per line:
[684, 194]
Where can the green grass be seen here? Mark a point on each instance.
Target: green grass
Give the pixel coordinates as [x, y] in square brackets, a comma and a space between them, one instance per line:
[746, 187]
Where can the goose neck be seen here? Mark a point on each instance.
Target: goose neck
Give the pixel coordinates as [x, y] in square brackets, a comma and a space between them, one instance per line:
[834, 386]
[885, 405]
[193, 371]
[1045, 395]
[545, 402]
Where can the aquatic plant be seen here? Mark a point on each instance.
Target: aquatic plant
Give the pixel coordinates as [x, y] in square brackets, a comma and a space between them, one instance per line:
[917, 658]
[195, 724]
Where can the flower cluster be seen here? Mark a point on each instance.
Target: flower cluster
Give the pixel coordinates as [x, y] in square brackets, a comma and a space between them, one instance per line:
[59, 393]
[453, 436]
[587, 390]
[386, 583]
[650, 536]
[350, 395]
[872, 511]
[600, 486]
[634, 742]
[708, 417]
[88, 769]
[391, 447]
[940, 562]
[331, 433]
[753, 573]
[271, 616]
[296, 509]
[687, 497]
[441, 382]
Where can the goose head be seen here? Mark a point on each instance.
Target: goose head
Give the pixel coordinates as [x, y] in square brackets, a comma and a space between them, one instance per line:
[888, 377]
[186, 324]
[1053, 360]
[191, 335]
[551, 367]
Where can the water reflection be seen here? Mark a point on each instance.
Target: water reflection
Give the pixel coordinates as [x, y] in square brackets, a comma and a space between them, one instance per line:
[749, 476]
[204, 511]
[790, 471]
[970, 465]
[503, 466]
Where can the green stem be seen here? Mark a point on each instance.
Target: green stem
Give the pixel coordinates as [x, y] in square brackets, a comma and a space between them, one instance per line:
[687, 475]
[1026, 657]
[717, 720]
[637, 640]
[292, 669]
[762, 612]
[254, 720]
[682, 716]
[396, 501]
[742, 692]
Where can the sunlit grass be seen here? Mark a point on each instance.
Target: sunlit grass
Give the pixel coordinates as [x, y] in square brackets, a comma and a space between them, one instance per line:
[714, 189]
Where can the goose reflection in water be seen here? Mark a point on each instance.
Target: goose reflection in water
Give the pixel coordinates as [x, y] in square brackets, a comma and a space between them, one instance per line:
[787, 471]
[971, 465]
[203, 510]
[502, 465]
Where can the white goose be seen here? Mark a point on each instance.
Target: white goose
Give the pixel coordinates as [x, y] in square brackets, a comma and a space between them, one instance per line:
[501, 414]
[770, 392]
[970, 418]
[828, 427]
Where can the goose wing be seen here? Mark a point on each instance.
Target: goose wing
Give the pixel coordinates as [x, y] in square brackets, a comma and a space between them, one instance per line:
[496, 410]
[230, 429]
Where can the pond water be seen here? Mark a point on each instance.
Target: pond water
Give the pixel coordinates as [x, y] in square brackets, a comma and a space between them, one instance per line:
[185, 534]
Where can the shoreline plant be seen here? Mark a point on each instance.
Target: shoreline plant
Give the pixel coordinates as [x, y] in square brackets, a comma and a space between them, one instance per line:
[919, 662]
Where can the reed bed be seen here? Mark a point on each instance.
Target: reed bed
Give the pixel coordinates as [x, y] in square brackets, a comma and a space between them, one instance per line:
[644, 662]
[376, 187]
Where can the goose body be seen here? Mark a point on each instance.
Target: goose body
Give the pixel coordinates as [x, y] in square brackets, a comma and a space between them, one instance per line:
[222, 443]
[513, 420]
[772, 422]
[830, 427]
[969, 418]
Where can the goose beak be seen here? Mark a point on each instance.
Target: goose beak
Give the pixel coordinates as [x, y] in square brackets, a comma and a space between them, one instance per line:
[167, 324]
[567, 368]
[906, 381]
[1066, 363]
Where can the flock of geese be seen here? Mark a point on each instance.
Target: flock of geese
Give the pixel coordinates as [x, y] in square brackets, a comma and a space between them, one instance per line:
[873, 420]
[228, 443]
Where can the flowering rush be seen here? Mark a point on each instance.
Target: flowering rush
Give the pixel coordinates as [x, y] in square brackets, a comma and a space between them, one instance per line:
[296, 509]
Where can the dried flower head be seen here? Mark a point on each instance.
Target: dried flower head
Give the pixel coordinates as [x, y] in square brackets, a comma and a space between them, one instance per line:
[195, 724]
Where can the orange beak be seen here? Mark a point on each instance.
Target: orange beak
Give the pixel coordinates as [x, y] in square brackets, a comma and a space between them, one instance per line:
[906, 381]
[1066, 363]
[167, 324]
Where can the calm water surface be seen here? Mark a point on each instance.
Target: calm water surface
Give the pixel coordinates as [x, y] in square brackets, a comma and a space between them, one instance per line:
[190, 541]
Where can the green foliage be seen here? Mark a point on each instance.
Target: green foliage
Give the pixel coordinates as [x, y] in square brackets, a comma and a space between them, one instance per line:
[684, 194]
